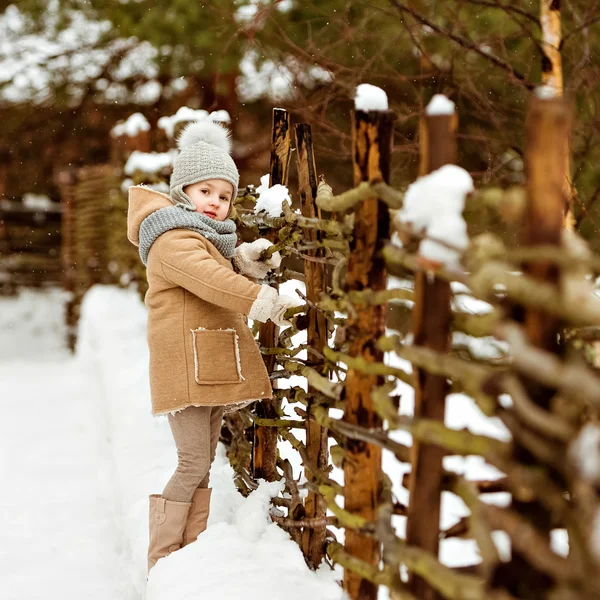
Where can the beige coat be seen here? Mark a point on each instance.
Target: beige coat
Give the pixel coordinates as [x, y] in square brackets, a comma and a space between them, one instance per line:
[202, 352]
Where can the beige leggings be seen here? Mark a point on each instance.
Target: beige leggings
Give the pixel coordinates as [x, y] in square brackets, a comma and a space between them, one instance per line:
[196, 432]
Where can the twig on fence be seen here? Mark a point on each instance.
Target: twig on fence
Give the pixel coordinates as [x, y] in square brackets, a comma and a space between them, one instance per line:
[315, 379]
[336, 553]
[477, 523]
[530, 292]
[459, 529]
[295, 505]
[472, 376]
[283, 502]
[328, 226]
[320, 477]
[451, 585]
[288, 274]
[326, 200]
[345, 518]
[284, 243]
[308, 302]
[365, 297]
[573, 380]
[372, 368]
[356, 432]
[326, 243]
[398, 260]
[288, 423]
[288, 523]
[284, 351]
[326, 260]
[243, 476]
[585, 334]
[558, 255]
[531, 544]
[533, 415]
[434, 432]
[477, 325]
[483, 486]
[547, 451]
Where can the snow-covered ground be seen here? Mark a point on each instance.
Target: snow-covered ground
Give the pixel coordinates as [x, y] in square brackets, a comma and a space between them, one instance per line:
[80, 453]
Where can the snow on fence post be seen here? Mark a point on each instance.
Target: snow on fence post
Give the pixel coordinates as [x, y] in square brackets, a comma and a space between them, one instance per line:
[264, 456]
[548, 127]
[372, 129]
[316, 282]
[431, 329]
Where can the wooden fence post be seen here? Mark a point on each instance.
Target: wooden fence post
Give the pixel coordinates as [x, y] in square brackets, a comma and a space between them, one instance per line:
[66, 180]
[371, 151]
[548, 127]
[316, 282]
[552, 78]
[431, 329]
[264, 457]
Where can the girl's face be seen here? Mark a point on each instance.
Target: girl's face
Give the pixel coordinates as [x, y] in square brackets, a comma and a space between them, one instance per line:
[211, 197]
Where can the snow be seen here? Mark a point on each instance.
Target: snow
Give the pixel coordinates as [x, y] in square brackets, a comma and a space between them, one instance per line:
[80, 453]
[148, 162]
[270, 199]
[276, 81]
[370, 97]
[37, 202]
[35, 57]
[132, 126]
[249, 9]
[547, 91]
[433, 206]
[585, 452]
[189, 114]
[440, 105]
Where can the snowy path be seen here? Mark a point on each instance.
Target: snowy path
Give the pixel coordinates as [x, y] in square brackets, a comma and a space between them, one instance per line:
[79, 454]
[58, 538]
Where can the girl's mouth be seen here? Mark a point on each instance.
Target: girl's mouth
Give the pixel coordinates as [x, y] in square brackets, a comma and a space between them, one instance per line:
[212, 215]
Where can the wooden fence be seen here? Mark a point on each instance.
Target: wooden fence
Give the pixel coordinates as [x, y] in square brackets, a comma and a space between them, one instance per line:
[538, 292]
[30, 242]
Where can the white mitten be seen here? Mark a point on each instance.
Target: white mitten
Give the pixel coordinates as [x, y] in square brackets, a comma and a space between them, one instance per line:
[280, 306]
[246, 258]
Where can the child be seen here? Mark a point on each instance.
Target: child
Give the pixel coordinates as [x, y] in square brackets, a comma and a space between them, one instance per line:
[203, 357]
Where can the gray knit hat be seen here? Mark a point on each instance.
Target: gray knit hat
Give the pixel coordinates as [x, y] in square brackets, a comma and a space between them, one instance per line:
[205, 148]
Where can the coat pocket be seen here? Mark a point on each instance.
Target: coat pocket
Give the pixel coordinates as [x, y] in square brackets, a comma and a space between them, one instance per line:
[216, 356]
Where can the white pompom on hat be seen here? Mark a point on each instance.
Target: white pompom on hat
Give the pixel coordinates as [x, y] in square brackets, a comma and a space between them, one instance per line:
[205, 148]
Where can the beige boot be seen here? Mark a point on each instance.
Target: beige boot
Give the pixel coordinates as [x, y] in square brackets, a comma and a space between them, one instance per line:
[167, 522]
[198, 516]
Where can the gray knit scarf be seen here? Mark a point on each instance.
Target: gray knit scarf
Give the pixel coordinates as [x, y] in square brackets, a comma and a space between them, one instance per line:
[220, 233]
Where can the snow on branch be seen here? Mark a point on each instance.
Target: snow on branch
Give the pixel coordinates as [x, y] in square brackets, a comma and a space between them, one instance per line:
[135, 124]
[148, 162]
[189, 114]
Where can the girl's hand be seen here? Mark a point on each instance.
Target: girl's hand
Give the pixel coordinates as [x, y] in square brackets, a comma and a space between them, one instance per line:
[280, 306]
[246, 258]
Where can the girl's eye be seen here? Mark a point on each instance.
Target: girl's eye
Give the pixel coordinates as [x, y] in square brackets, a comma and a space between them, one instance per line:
[205, 191]
[225, 198]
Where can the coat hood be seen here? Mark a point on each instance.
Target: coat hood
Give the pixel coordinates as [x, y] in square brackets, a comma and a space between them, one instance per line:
[143, 201]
